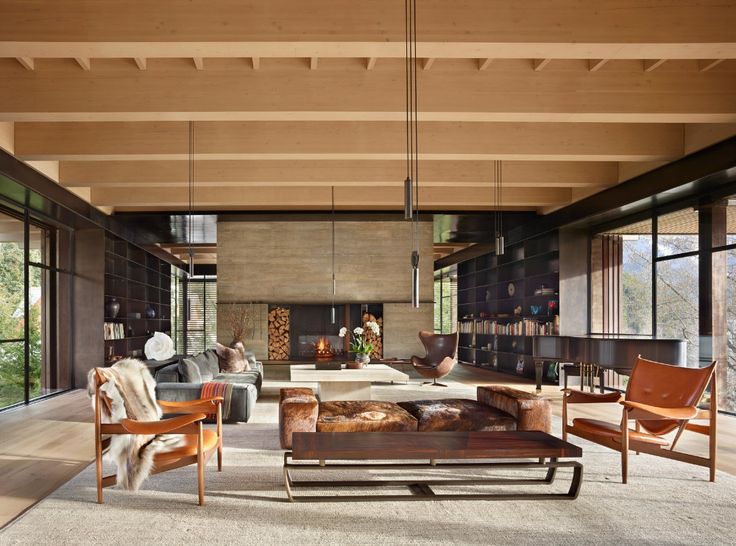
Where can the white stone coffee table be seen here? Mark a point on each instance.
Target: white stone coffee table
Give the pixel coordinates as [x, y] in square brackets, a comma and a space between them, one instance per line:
[345, 384]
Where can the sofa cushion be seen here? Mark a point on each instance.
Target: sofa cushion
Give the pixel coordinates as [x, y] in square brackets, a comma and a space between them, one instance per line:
[232, 360]
[457, 414]
[189, 371]
[363, 416]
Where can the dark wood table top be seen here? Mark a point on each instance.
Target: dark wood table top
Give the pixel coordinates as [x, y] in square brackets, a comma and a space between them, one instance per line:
[429, 445]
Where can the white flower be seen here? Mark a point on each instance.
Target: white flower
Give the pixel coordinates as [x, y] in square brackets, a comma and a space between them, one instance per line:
[343, 331]
[373, 325]
[358, 331]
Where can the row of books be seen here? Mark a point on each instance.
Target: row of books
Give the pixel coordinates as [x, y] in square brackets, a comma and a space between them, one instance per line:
[114, 330]
[526, 327]
[535, 328]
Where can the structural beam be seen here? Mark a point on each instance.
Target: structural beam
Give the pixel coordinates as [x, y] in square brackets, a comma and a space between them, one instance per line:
[705, 65]
[539, 64]
[84, 62]
[653, 64]
[594, 65]
[339, 173]
[346, 140]
[484, 63]
[112, 92]
[26, 62]
[141, 62]
[255, 62]
[370, 63]
[427, 63]
[198, 63]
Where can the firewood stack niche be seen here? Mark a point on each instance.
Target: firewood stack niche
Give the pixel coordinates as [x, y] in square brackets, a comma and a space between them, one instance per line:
[376, 340]
[279, 342]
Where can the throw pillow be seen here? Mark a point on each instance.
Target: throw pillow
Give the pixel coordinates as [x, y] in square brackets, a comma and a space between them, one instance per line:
[189, 371]
[232, 360]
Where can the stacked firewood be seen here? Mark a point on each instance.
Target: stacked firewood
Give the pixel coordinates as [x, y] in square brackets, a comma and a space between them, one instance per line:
[370, 337]
[278, 334]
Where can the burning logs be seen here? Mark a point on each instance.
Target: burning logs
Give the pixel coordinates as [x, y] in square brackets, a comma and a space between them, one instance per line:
[279, 345]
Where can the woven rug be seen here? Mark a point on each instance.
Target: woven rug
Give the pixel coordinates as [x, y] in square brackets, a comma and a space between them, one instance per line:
[665, 502]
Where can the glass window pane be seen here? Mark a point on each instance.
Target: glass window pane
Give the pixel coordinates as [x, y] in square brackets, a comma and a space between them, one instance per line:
[725, 338]
[677, 232]
[731, 222]
[12, 304]
[37, 331]
[677, 303]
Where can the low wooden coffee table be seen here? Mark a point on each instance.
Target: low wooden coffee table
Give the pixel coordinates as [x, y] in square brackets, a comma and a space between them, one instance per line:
[345, 384]
[430, 447]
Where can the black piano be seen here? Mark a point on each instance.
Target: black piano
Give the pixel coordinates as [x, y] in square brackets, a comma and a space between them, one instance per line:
[596, 353]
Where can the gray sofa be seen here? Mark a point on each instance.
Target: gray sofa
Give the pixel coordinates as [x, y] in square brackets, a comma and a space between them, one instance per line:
[183, 381]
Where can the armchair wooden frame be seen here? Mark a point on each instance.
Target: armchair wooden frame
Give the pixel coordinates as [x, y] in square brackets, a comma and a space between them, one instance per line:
[194, 412]
[625, 440]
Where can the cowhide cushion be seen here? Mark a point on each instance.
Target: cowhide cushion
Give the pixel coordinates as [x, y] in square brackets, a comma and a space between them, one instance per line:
[232, 360]
[457, 414]
[363, 416]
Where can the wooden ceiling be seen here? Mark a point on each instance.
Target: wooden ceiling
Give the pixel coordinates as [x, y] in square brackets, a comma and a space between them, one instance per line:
[292, 97]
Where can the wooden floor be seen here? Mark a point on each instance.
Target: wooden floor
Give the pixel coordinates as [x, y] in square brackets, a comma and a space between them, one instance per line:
[47, 443]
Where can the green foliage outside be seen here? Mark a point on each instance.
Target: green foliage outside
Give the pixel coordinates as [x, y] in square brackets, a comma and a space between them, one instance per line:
[11, 327]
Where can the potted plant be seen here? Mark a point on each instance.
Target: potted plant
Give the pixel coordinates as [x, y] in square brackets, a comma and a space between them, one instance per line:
[359, 344]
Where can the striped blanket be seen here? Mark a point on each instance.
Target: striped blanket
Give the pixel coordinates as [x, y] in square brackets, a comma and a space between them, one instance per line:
[218, 388]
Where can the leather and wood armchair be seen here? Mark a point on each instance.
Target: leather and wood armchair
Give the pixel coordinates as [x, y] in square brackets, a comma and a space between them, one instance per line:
[197, 446]
[660, 399]
[440, 359]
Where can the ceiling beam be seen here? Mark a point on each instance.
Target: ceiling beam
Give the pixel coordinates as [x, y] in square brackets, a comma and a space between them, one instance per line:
[115, 91]
[26, 62]
[346, 140]
[320, 198]
[653, 64]
[427, 63]
[610, 25]
[255, 62]
[484, 63]
[313, 63]
[594, 65]
[707, 64]
[141, 62]
[539, 64]
[342, 173]
[198, 63]
[370, 63]
[84, 62]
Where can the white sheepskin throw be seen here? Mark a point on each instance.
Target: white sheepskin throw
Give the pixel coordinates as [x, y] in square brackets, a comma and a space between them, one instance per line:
[130, 393]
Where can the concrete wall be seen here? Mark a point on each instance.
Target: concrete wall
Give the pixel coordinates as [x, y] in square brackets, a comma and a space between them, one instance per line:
[573, 282]
[264, 261]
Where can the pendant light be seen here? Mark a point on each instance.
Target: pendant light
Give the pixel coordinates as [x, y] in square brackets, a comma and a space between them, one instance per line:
[190, 220]
[411, 183]
[498, 214]
[333, 317]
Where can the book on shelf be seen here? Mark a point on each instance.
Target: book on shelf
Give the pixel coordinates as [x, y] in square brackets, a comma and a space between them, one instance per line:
[536, 328]
[114, 330]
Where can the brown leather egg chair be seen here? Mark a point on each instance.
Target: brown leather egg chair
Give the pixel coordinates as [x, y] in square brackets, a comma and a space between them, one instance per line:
[440, 359]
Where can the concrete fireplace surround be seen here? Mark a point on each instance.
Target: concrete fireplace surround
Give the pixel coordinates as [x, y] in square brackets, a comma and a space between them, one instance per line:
[269, 260]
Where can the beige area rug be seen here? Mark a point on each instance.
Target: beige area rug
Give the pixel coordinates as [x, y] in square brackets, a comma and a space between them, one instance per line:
[665, 503]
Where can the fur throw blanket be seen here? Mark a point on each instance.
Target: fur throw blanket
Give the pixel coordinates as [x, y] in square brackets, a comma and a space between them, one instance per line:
[130, 393]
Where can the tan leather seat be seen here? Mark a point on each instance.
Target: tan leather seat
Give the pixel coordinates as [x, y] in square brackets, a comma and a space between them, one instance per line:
[613, 431]
[189, 446]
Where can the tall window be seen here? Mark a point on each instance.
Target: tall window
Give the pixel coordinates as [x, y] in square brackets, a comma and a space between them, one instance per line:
[445, 302]
[34, 357]
[201, 297]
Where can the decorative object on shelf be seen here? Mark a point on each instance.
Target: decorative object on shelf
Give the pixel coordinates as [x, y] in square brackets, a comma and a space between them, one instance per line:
[520, 365]
[552, 307]
[535, 309]
[360, 345]
[544, 290]
[150, 312]
[517, 311]
[159, 347]
[134, 315]
[112, 308]
[511, 289]
[411, 183]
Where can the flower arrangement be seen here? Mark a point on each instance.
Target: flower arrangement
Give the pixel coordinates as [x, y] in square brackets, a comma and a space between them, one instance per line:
[359, 345]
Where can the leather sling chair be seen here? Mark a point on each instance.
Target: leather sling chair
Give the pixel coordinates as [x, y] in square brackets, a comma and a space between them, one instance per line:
[440, 359]
[660, 399]
[197, 448]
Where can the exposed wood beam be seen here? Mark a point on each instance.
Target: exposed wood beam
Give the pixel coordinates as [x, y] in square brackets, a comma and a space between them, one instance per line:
[27, 62]
[84, 62]
[370, 63]
[109, 93]
[340, 140]
[339, 173]
[705, 65]
[198, 63]
[313, 63]
[594, 65]
[653, 64]
[319, 198]
[427, 63]
[256, 62]
[141, 62]
[484, 63]
[539, 64]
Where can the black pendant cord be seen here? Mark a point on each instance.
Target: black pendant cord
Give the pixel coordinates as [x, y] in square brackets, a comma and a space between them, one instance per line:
[190, 227]
[411, 184]
[415, 111]
[334, 281]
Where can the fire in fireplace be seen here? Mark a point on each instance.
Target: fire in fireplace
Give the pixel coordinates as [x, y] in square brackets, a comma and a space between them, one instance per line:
[323, 349]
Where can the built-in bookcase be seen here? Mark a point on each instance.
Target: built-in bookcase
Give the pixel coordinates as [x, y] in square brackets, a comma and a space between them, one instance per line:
[503, 301]
[138, 281]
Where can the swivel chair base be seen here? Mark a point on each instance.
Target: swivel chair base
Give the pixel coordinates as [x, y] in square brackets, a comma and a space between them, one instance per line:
[434, 383]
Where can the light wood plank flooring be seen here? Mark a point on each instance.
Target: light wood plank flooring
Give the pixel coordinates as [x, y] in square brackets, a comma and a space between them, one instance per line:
[47, 443]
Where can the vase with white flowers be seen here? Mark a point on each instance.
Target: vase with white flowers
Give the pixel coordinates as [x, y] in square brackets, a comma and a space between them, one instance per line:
[359, 344]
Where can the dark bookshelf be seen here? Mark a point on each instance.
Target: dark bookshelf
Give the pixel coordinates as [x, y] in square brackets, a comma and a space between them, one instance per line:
[137, 280]
[503, 301]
